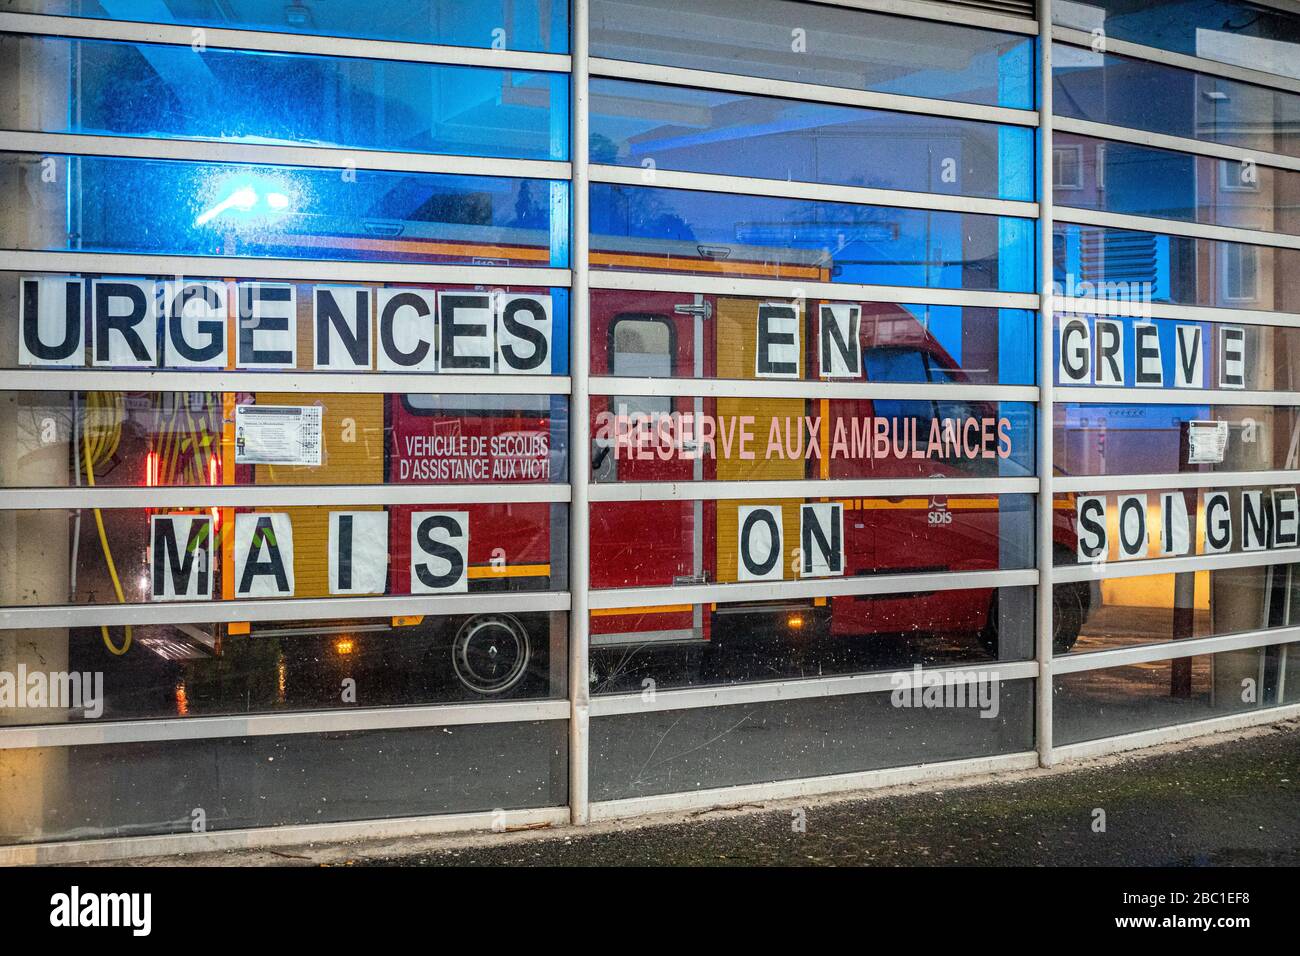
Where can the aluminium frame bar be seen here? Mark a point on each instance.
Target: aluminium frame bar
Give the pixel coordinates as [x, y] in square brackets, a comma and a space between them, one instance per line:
[271, 41]
[1171, 733]
[86, 733]
[1209, 480]
[273, 609]
[1143, 567]
[944, 13]
[1180, 144]
[231, 496]
[1045, 525]
[661, 177]
[1082, 661]
[278, 154]
[810, 388]
[713, 797]
[821, 488]
[1082, 305]
[1119, 395]
[63, 852]
[748, 591]
[727, 695]
[795, 288]
[1174, 227]
[579, 763]
[332, 383]
[252, 267]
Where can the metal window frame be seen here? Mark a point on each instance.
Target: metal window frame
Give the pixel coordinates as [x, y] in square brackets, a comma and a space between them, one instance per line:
[273, 609]
[1175, 227]
[1044, 598]
[877, 682]
[1144, 567]
[1077, 663]
[944, 13]
[270, 41]
[301, 270]
[746, 591]
[808, 488]
[65, 852]
[579, 386]
[85, 733]
[664, 178]
[1172, 733]
[198, 380]
[712, 284]
[1116, 395]
[287, 496]
[1077, 305]
[1179, 144]
[685, 800]
[1213, 480]
[810, 388]
[278, 154]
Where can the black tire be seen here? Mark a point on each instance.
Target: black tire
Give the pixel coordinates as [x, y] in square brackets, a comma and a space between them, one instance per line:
[490, 654]
[1070, 604]
[1069, 610]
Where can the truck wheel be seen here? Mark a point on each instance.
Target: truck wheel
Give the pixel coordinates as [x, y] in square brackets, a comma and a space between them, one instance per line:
[1069, 609]
[490, 654]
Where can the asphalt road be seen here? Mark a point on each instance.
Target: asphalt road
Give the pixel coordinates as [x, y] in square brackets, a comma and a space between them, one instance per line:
[1235, 802]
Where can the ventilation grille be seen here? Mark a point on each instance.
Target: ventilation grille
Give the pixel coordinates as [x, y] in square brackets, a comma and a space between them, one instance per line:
[1119, 256]
[1010, 8]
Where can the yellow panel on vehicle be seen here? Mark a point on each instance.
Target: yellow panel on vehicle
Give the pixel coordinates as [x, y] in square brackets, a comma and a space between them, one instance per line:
[352, 441]
[737, 345]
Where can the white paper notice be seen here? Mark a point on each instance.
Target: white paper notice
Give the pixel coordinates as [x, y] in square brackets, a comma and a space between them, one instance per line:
[277, 435]
[1206, 442]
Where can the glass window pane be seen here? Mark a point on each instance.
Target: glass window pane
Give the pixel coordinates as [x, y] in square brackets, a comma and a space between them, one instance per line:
[1106, 439]
[1122, 700]
[705, 644]
[1105, 350]
[676, 230]
[767, 439]
[1148, 524]
[825, 45]
[1141, 181]
[89, 321]
[634, 755]
[215, 209]
[1257, 36]
[794, 539]
[117, 790]
[705, 335]
[706, 131]
[168, 439]
[218, 669]
[1161, 608]
[1123, 91]
[1141, 267]
[137, 89]
[201, 553]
